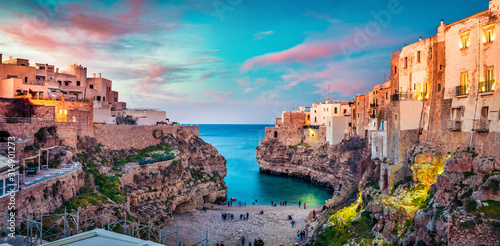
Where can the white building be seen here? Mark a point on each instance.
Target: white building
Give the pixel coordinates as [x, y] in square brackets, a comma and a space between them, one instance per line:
[320, 111]
[337, 128]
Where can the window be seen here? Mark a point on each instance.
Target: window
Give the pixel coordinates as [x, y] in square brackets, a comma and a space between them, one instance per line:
[335, 109]
[465, 40]
[1, 187]
[345, 111]
[440, 67]
[439, 88]
[91, 86]
[66, 83]
[464, 83]
[104, 98]
[275, 134]
[315, 120]
[59, 82]
[457, 114]
[77, 83]
[418, 56]
[489, 34]
[406, 62]
[98, 98]
[11, 76]
[25, 79]
[489, 74]
[395, 69]
[387, 95]
[396, 116]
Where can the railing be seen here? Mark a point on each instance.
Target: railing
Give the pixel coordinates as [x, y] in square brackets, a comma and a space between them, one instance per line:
[405, 96]
[455, 125]
[481, 125]
[462, 90]
[58, 226]
[421, 96]
[33, 120]
[68, 170]
[373, 105]
[486, 86]
[372, 116]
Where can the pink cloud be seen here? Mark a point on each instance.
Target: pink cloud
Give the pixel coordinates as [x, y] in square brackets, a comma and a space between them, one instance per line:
[301, 53]
[249, 89]
[219, 96]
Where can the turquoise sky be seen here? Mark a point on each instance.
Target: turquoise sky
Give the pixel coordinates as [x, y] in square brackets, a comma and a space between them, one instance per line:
[225, 61]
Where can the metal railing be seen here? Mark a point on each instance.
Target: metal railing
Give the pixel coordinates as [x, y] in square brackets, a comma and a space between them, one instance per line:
[462, 90]
[33, 120]
[403, 96]
[373, 105]
[33, 231]
[481, 125]
[486, 86]
[455, 125]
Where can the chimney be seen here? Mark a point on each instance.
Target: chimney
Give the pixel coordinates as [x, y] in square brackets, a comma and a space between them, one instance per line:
[57, 70]
[94, 75]
[99, 75]
[0, 58]
[442, 22]
[420, 39]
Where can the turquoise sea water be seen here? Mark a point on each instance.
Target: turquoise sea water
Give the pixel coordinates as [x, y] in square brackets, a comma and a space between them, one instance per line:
[237, 144]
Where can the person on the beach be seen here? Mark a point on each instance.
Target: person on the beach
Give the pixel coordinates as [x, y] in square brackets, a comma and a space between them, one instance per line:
[304, 205]
[293, 223]
[298, 236]
[314, 214]
[299, 204]
[247, 215]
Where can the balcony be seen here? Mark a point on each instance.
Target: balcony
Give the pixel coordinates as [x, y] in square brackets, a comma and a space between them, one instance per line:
[481, 125]
[486, 86]
[373, 105]
[372, 116]
[420, 96]
[406, 96]
[462, 90]
[455, 125]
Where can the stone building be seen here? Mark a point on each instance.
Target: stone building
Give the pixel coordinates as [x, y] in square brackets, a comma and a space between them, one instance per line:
[46, 82]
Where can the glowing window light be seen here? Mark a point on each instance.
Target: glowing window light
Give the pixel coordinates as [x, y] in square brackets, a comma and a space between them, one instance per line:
[60, 111]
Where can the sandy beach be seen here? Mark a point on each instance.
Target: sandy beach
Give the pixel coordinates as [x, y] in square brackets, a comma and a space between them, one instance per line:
[272, 227]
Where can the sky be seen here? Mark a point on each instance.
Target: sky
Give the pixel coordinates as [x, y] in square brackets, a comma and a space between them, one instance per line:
[225, 61]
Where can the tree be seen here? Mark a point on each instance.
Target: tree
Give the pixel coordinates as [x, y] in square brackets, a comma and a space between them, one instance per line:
[19, 107]
[122, 119]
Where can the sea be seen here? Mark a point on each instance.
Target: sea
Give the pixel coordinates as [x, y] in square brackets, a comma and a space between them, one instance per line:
[238, 143]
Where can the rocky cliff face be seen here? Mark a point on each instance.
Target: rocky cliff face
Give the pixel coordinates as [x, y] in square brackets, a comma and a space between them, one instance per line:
[446, 199]
[340, 166]
[180, 174]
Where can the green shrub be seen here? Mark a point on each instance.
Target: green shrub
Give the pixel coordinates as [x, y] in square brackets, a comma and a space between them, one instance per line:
[294, 147]
[470, 205]
[468, 224]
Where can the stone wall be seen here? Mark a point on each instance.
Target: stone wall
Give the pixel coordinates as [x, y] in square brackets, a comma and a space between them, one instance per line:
[66, 131]
[46, 196]
[136, 137]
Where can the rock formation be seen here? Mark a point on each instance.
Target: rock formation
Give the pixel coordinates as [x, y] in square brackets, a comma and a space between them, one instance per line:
[339, 167]
[155, 186]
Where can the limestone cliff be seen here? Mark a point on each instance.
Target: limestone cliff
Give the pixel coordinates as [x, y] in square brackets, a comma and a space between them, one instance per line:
[447, 199]
[339, 167]
[179, 174]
